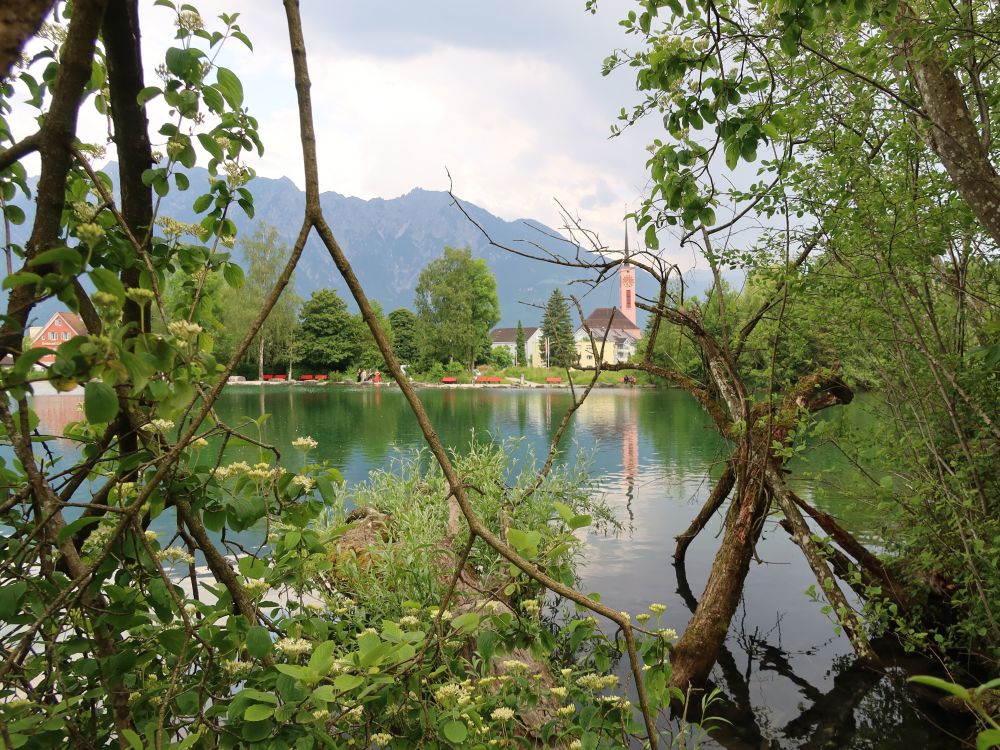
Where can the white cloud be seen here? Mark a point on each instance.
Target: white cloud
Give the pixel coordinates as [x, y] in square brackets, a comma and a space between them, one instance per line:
[517, 125]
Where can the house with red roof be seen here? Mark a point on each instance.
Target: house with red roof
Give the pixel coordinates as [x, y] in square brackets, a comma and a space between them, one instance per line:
[62, 326]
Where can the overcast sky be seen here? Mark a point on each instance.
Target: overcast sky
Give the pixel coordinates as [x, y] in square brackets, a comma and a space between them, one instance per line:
[507, 96]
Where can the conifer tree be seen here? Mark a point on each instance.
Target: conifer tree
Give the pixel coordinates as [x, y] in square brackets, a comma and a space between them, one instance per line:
[558, 329]
[519, 359]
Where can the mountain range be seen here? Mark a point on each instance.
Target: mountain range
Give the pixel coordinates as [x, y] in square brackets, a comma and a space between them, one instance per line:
[389, 241]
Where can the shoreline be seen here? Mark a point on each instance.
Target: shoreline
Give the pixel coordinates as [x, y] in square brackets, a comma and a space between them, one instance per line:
[513, 384]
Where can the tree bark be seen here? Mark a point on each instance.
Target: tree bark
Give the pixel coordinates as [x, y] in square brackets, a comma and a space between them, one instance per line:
[55, 148]
[953, 135]
[698, 649]
[19, 21]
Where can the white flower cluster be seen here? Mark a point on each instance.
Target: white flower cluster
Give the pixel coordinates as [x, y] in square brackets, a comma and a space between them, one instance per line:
[515, 665]
[452, 695]
[182, 329]
[257, 472]
[293, 646]
[90, 233]
[139, 295]
[502, 714]
[236, 175]
[175, 555]
[189, 20]
[305, 443]
[382, 738]
[237, 669]
[597, 682]
[256, 588]
[657, 609]
[84, 211]
[174, 229]
[615, 701]
[409, 621]
[305, 482]
[158, 425]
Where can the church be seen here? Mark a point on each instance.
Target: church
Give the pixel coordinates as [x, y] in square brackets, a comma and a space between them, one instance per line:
[623, 332]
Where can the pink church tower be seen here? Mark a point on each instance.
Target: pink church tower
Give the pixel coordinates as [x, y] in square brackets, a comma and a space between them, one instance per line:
[626, 286]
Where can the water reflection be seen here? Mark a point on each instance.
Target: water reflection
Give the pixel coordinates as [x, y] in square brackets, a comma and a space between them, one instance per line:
[789, 681]
[54, 412]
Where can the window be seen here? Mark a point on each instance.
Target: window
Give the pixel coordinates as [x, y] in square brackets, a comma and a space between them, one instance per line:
[53, 335]
[65, 336]
[628, 298]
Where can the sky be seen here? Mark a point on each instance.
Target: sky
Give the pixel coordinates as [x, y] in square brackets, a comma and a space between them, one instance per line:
[507, 97]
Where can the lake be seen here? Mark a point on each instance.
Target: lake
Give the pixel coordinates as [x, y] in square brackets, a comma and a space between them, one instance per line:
[790, 680]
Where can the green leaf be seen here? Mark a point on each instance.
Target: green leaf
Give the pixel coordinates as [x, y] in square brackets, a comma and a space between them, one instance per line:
[107, 281]
[944, 685]
[230, 87]
[100, 402]
[299, 673]
[20, 279]
[258, 712]
[202, 202]
[466, 622]
[10, 599]
[148, 93]
[455, 731]
[525, 542]
[347, 682]
[233, 275]
[564, 511]
[322, 657]
[258, 642]
[325, 694]
[133, 739]
[70, 529]
[14, 214]
[987, 739]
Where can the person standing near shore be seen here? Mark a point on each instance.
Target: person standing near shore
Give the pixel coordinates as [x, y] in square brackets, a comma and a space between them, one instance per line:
[378, 377]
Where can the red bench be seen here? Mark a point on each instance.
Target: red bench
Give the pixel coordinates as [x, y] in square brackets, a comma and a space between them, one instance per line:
[277, 377]
[321, 377]
[553, 380]
[489, 379]
[449, 379]
[267, 377]
[305, 377]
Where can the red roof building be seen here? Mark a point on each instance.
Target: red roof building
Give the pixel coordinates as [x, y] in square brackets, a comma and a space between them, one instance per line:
[61, 327]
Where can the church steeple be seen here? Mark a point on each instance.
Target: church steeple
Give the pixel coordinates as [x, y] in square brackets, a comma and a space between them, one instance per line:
[626, 285]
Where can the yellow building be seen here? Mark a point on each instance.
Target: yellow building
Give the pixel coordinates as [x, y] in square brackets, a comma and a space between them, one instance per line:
[623, 333]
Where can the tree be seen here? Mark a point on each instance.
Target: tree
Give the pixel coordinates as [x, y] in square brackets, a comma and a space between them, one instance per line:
[369, 356]
[329, 337]
[501, 358]
[264, 256]
[405, 334]
[557, 328]
[456, 304]
[101, 645]
[520, 359]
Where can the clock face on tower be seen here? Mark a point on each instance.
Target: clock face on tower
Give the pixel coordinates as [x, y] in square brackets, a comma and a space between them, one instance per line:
[628, 282]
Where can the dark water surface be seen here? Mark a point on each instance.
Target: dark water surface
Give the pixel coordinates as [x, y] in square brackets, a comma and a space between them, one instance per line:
[789, 680]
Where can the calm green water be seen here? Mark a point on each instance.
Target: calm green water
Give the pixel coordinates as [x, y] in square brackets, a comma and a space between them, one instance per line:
[789, 679]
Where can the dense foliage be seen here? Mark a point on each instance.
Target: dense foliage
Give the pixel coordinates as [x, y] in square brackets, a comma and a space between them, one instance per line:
[557, 328]
[456, 303]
